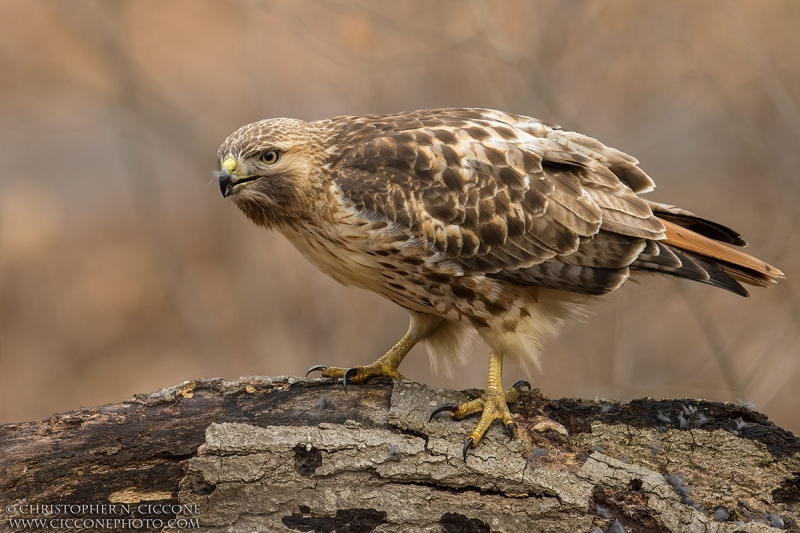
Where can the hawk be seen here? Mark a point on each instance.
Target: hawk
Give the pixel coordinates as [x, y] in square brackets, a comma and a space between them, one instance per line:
[477, 222]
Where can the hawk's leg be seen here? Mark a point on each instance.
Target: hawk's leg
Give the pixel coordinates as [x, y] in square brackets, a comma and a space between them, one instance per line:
[385, 366]
[493, 404]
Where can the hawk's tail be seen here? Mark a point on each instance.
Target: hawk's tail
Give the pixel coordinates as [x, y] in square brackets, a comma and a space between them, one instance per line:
[697, 254]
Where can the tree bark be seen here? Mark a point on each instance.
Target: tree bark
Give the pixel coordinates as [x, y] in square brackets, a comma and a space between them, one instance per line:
[287, 454]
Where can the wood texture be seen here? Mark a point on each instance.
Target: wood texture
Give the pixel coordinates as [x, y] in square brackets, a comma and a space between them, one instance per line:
[287, 454]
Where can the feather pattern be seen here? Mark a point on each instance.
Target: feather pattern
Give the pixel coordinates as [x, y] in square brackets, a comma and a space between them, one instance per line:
[501, 195]
[473, 220]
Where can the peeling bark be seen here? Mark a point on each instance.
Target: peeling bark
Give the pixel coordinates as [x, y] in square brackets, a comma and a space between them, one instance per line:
[286, 454]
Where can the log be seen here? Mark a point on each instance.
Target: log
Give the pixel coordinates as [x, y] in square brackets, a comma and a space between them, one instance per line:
[289, 454]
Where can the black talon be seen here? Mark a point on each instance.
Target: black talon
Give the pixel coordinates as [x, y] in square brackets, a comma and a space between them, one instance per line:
[511, 427]
[321, 368]
[351, 373]
[442, 408]
[521, 383]
[467, 445]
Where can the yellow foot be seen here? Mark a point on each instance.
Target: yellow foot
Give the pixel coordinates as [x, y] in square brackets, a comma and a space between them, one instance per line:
[358, 374]
[385, 366]
[493, 405]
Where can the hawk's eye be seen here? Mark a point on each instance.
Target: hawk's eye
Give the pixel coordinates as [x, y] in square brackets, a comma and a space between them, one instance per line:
[269, 157]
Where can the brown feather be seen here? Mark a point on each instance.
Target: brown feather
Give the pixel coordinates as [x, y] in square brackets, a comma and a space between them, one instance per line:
[738, 264]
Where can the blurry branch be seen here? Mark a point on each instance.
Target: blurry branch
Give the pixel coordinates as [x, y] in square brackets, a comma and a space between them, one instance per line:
[444, 44]
[403, 28]
[143, 177]
[788, 325]
[758, 149]
[536, 79]
[775, 88]
[622, 358]
[706, 323]
[788, 109]
[748, 133]
[136, 103]
[787, 369]
[493, 45]
[163, 114]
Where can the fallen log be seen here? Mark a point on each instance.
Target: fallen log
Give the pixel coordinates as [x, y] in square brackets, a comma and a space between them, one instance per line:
[288, 454]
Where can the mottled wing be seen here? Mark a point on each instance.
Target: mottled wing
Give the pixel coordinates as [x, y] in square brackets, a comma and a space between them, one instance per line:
[503, 195]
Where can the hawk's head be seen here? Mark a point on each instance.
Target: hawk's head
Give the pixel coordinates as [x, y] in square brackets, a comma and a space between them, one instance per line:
[267, 168]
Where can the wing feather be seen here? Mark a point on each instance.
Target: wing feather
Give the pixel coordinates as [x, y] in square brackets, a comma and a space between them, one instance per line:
[501, 195]
[705, 227]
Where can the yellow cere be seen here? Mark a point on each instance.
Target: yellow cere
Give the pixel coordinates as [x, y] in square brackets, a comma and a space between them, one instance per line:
[230, 165]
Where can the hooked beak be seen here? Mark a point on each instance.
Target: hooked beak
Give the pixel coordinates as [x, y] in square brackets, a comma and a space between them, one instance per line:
[229, 179]
[225, 183]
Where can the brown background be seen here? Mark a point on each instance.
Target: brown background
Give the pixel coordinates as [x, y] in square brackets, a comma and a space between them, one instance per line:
[123, 270]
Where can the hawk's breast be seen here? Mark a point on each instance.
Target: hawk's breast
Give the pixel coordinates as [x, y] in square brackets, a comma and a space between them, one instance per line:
[374, 253]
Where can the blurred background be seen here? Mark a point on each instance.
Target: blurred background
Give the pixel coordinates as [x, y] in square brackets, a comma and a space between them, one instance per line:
[123, 270]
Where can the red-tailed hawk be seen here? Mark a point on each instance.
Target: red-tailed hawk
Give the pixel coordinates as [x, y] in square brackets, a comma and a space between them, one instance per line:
[475, 221]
